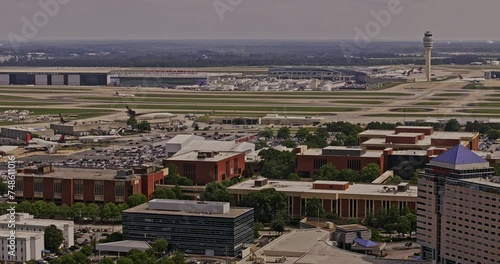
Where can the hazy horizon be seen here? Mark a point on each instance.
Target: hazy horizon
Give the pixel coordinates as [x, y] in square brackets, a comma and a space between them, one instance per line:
[320, 20]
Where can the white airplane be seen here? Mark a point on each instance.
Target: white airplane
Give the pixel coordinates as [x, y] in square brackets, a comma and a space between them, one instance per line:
[124, 95]
[40, 144]
[142, 116]
[102, 138]
[472, 80]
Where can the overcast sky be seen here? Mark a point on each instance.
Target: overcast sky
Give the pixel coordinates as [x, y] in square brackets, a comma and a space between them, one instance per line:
[254, 19]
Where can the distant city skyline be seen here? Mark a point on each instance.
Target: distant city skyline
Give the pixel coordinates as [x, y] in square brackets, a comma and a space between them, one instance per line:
[449, 20]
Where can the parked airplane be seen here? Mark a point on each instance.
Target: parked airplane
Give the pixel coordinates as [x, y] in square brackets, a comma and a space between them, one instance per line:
[124, 95]
[472, 80]
[62, 119]
[132, 113]
[40, 144]
[102, 138]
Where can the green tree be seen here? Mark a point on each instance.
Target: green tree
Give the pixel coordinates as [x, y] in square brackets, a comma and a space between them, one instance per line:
[87, 250]
[315, 141]
[370, 172]
[113, 237]
[53, 238]
[52, 210]
[348, 175]
[106, 260]
[302, 134]
[39, 209]
[64, 211]
[289, 144]
[140, 257]
[216, 192]
[160, 245]
[80, 258]
[164, 194]
[93, 211]
[351, 140]
[412, 218]
[452, 125]
[136, 199]
[293, 177]
[4, 187]
[278, 224]
[375, 235]
[24, 207]
[322, 133]
[403, 225]
[267, 204]
[110, 211]
[327, 172]
[78, 210]
[258, 226]
[267, 133]
[124, 260]
[493, 134]
[172, 170]
[283, 133]
[314, 208]
[178, 257]
[178, 180]
[394, 180]
[144, 126]
[132, 122]
[277, 164]
[260, 145]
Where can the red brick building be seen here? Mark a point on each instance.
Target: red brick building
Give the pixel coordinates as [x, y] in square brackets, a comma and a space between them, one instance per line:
[70, 185]
[349, 201]
[206, 167]
[309, 161]
[416, 138]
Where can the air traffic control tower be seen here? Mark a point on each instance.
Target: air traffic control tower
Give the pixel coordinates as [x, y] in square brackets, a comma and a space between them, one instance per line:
[428, 44]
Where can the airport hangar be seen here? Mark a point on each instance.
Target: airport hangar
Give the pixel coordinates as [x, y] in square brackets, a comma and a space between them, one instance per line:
[334, 74]
[102, 76]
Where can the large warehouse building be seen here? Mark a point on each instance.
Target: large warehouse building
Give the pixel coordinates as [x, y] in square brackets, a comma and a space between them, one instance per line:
[103, 76]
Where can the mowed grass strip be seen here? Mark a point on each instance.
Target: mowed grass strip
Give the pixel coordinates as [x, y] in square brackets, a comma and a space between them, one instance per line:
[480, 87]
[427, 103]
[27, 103]
[360, 102]
[411, 110]
[450, 94]
[234, 108]
[426, 115]
[480, 111]
[63, 111]
[483, 104]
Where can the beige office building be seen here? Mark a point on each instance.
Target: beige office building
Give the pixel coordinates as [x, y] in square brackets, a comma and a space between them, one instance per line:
[458, 217]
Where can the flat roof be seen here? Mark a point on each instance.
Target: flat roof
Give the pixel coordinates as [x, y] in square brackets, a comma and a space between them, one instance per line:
[143, 209]
[21, 69]
[217, 146]
[181, 139]
[332, 182]
[123, 246]
[319, 152]
[29, 220]
[406, 135]
[376, 132]
[483, 181]
[22, 234]
[307, 187]
[310, 246]
[193, 156]
[80, 174]
[415, 127]
[351, 228]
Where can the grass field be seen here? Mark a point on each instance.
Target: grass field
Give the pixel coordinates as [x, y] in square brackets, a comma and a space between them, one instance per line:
[411, 110]
[450, 94]
[55, 111]
[440, 99]
[269, 109]
[426, 115]
[26, 103]
[480, 87]
[482, 104]
[480, 111]
[427, 103]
